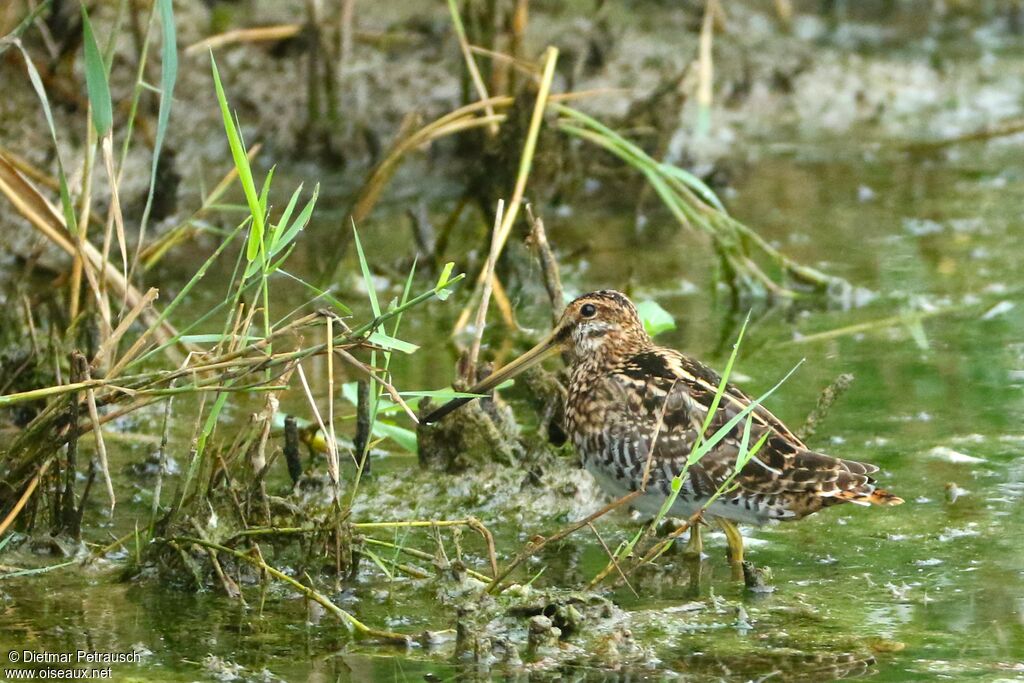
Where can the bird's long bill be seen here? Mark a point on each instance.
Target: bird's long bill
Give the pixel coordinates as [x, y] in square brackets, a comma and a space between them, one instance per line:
[548, 347]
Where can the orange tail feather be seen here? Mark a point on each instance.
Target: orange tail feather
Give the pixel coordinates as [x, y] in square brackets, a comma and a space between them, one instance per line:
[876, 497]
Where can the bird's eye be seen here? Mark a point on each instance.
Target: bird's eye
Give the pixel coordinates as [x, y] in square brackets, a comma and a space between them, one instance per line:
[588, 310]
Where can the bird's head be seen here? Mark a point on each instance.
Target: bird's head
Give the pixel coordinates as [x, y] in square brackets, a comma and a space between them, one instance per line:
[600, 324]
[596, 326]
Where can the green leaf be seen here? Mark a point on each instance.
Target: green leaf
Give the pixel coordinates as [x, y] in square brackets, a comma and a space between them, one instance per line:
[721, 386]
[300, 222]
[743, 457]
[694, 183]
[65, 194]
[96, 80]
[388, 342]
[214, 338]
[350, 392]
[282, 222]
[441, 289]
[405, 294]
[367, 277]
[242, 166]
[168, 79]
[446, 273]
[443, 394]
[655, 318]
[406, 438]
[200, 451]
[916, 329]
[276, 265]
[320, 293]
[265, 191]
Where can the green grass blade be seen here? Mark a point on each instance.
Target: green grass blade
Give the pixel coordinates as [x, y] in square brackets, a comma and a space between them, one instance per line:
[70, 220]
[406, 438]
[439, 394]
[367, 277]
[724, 430]
[193, 281]
[282, 222]
[320, 293]
[694, 183]
[216, 338]
[722, 384]
[265, 191]
[388, 342]
[243, 167]
[96, 80]
[446, 273]
[299, 224]
[168, 79]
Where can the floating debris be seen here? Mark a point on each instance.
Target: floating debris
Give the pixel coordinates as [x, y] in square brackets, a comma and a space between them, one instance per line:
[899, 592]
[965, 532]
[881, 645]
[954, 492]
[999, 309]
[950, 455]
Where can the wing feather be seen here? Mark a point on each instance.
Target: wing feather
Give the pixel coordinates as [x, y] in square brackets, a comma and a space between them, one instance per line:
[665, 397]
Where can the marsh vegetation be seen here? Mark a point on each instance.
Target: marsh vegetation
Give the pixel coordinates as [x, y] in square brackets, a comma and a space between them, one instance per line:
[248, 245]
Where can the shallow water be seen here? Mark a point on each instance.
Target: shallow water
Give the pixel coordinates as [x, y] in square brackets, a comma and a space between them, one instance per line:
[930, 589]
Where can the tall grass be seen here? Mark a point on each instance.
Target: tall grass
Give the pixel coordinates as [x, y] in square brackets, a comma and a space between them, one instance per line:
[247, 349]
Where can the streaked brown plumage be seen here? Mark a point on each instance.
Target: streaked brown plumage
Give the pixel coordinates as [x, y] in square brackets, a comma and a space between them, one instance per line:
[626, 393]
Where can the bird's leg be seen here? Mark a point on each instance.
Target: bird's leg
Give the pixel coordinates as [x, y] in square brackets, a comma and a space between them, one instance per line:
[735, 549]
[695, 546]
[699, 575]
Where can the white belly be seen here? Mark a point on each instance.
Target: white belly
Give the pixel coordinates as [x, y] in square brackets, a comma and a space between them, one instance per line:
[650, 502]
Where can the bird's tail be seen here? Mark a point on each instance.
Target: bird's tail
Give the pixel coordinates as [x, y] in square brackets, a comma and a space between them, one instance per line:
[867, 494]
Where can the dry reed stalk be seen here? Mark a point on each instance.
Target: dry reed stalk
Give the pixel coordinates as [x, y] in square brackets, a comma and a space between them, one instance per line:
[28, 170]
[332, 446]
[388, 386]
[613, 560]
[244, 35]
[83, 222]
[485, 296]
[503, 303]
[36, 209]
[548, 264]
[94, 417]
[331, 434]
[525, 165]
[474, 71]
[110, 343]
[23, 499]
[114, 216]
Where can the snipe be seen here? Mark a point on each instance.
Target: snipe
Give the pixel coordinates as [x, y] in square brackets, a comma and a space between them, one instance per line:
[626, 393]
